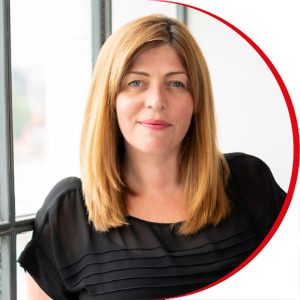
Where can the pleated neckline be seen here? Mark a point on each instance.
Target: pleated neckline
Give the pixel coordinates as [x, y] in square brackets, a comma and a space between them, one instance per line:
[153, 223]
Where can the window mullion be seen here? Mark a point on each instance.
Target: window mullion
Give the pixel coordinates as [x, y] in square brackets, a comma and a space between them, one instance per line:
[7, 201]
[6, 131]
[182, 14]
[101, 25]
[13, 266]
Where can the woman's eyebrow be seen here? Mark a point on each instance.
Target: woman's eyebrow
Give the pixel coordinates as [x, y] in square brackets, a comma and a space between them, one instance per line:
[175, 73]
[138, 73]
[146, 74]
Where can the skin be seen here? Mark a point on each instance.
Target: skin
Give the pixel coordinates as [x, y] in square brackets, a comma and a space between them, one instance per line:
[156, 86]
[34, 292]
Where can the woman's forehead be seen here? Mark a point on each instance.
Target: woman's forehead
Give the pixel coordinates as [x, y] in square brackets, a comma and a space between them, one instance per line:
[165, 56]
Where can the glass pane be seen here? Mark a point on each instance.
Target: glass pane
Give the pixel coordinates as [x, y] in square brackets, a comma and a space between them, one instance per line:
[22, 240]
[51, 73]
[125, 11]
[4, 268]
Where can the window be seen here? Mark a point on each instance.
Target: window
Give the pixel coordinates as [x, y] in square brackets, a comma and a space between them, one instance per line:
[42, 58]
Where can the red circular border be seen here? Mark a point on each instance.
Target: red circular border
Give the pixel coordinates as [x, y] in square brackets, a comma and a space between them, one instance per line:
[295, 132]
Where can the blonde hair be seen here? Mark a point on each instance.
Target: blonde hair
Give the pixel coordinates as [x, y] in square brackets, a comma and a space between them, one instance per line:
[203, 169]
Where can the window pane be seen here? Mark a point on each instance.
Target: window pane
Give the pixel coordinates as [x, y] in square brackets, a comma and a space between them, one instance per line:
[22, 240]
[125, 11]
[4, 268]
[51, 73]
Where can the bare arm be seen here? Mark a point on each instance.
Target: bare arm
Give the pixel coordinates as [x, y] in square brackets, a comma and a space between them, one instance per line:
[34, 291]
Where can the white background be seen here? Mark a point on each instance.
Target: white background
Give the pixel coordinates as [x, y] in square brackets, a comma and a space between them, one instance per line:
[275, 27]
[252, 115]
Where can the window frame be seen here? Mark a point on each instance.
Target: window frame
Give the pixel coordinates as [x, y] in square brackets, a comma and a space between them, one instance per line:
[10, 224]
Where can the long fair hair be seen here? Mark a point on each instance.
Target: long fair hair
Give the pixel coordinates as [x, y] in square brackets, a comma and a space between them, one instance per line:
[203, 169]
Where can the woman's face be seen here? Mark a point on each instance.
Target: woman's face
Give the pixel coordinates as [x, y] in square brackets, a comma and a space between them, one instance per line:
[155, 105]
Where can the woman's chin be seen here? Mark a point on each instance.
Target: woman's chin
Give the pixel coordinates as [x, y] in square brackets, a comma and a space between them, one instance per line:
[152, 146]
[156, 149]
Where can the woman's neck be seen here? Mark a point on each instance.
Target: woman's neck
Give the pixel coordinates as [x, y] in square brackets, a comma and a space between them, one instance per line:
[151, 174]
[156, 180]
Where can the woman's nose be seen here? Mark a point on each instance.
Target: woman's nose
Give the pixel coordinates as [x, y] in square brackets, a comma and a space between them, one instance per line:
[156, 98]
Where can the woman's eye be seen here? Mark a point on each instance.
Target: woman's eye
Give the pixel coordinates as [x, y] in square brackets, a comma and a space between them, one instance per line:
[135, 83]
[177, 84]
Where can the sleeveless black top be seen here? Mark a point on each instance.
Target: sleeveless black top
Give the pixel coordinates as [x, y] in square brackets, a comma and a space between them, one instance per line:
[70, 260]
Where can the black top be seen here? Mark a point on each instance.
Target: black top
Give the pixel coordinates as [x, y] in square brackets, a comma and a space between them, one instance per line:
[146, 260]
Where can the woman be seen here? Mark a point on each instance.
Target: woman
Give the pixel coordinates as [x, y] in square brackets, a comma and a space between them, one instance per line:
[159, 211]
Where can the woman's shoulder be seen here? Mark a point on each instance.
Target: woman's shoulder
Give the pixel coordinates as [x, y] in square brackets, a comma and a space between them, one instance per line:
[248, 169]
[241, 164]
[254, 184]
[60, 190]
[241, 158]
[63, 198]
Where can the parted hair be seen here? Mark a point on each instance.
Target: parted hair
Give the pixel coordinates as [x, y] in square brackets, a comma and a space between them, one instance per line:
[204, 172]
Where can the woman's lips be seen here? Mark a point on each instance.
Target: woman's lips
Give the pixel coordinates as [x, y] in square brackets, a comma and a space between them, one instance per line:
[155, 124]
